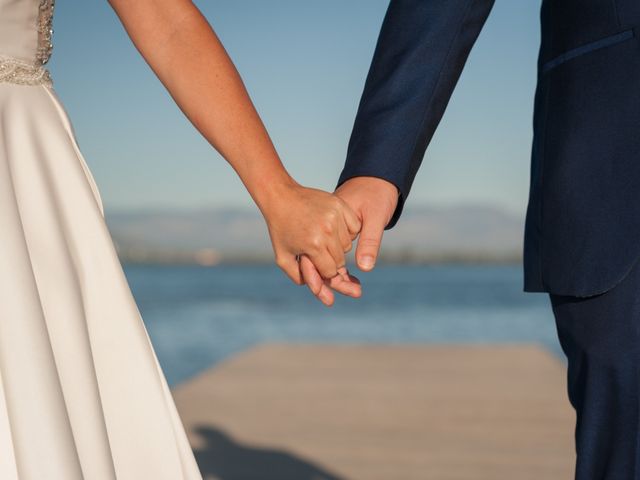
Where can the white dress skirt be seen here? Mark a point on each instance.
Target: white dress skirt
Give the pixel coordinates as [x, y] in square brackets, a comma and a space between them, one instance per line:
[82, 395]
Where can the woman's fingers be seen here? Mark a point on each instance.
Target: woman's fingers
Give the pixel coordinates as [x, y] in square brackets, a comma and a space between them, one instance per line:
[345, 284]
[291, 267]
[314, 281]
[342, 283]
[321, 234]
[324, 263]
[310, 275]
[326, 296]
[347, 277]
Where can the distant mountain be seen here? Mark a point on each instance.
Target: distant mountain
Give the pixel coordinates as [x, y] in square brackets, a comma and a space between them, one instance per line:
[427, 234]
[464, 232]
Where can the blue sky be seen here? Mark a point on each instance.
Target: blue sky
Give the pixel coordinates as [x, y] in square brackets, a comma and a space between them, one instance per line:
[304, 64]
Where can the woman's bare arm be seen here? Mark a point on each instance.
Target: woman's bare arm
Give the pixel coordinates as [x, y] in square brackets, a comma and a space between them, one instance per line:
[183, 50]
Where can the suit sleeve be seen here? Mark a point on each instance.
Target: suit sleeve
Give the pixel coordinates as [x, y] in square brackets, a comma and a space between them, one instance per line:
[421, 51]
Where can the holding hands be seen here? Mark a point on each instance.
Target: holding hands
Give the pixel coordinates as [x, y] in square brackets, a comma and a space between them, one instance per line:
[311, 230]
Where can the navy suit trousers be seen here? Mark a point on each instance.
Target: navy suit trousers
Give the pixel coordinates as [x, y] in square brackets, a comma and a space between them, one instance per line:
[601, 337]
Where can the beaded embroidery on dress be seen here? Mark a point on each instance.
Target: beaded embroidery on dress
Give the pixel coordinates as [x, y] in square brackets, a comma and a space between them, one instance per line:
[15, 71]
[82, 395]
[24, 72]
[45, 31]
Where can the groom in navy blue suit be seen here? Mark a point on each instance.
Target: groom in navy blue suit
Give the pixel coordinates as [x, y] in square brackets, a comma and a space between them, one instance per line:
[582, 235]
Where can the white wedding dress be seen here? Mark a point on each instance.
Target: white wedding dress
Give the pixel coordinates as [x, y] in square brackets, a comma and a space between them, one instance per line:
[82, 395]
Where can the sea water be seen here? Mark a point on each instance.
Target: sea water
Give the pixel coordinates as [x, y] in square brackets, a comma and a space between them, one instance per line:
[198, 316]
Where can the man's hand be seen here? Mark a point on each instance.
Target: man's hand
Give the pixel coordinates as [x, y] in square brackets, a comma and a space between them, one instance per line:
[373, 200]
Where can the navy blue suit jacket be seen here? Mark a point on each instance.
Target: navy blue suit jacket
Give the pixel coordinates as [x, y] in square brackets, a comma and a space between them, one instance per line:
[582, 233]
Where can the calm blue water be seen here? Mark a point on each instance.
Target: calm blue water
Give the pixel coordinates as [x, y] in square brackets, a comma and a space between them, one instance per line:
[197, 316]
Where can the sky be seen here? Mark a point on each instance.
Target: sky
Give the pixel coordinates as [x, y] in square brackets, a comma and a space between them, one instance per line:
[304, 64]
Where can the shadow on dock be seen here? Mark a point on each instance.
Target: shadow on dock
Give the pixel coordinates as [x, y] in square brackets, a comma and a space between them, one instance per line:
[222, 458]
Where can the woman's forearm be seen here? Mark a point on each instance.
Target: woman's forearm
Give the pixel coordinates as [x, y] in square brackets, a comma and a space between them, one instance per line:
[186, 55]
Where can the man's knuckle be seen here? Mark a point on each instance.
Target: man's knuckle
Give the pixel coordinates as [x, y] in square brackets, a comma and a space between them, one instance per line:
[369, 242]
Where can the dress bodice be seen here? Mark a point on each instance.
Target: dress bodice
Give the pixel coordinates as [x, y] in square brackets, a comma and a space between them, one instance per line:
[25, 40]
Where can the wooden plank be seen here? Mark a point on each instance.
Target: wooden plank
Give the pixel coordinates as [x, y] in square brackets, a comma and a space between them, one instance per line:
[378, 412]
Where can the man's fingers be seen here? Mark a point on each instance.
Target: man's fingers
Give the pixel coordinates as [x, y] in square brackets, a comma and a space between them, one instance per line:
[369, 241]
[351, 219]
[337, 253]
[346, 240]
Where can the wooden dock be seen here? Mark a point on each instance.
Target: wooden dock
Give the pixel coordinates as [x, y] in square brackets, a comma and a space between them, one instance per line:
[329, 412]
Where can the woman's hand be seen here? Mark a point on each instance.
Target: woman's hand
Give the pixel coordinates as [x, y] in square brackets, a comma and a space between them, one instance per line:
[315, 224]
[185, 53]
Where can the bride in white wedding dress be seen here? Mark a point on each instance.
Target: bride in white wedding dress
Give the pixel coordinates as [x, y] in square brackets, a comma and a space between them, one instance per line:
[82, 395]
